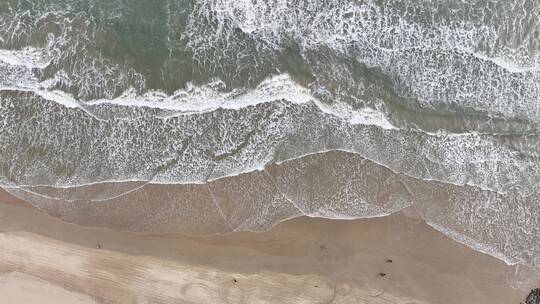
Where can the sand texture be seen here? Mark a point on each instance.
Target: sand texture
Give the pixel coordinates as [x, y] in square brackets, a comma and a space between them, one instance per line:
[396, 259]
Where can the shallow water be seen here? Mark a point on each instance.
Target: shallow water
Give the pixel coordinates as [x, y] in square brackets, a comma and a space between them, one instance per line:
[221, 110]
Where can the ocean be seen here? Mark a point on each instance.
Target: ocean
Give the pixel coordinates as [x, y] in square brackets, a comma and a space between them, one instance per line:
[212, 116]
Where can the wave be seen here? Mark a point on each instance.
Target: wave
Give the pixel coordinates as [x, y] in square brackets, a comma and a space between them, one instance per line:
[228, 114]
[395, 57]
[61, 146]
[335, 185]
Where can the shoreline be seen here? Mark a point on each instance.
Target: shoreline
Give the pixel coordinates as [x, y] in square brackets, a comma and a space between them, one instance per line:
[346, 260]
[335, 185]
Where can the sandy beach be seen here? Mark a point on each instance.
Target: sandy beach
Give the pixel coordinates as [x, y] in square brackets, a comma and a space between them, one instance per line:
[395, 259]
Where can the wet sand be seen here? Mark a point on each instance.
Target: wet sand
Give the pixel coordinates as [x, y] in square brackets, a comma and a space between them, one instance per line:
[396, 259]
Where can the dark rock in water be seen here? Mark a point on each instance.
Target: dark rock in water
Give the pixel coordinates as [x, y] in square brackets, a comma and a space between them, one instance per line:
[533, 297]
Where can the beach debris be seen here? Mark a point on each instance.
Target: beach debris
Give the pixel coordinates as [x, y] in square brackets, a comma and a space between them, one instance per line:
[235, 280]
[533, 297]
[382, 274]
[99, 246]
[389, 261]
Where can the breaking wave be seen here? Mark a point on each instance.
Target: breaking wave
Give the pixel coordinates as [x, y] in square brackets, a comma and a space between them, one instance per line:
[236, 115]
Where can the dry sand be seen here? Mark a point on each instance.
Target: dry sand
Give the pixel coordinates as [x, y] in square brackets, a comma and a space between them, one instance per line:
[17, 287]
[45, 260]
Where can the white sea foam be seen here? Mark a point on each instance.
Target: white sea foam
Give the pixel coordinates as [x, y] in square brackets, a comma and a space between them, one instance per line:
[192, 99]
[214, 95]
[28, 57]
[474, 244]
[458, 154]
[463, 62]
[510, 66]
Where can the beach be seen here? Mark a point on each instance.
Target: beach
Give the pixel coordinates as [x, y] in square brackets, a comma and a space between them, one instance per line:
[394, 259]
[270, 151]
